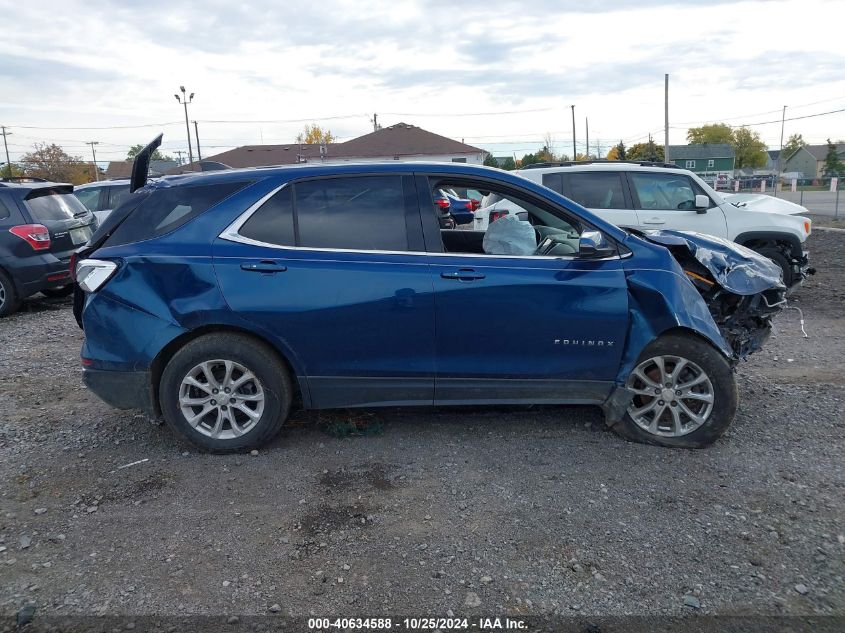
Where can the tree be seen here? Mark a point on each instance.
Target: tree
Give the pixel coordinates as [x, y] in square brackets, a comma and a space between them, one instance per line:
[51, 162]
[714, 133]
[832, 165]
[792, 145]
[650, 151]
[750, 149]
[617, 152]
[528, 159]
[508, 164]
[136, 149]
[10, 171]
[314, 135]
[490, 161]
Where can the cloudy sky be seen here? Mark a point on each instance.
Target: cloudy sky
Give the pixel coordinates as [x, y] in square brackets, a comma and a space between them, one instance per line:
[497, 73]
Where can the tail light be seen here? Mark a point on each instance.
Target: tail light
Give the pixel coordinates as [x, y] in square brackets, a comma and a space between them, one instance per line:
[443, 203]
[495, 215]
[73, 257]
[36, 235]
[474, 204]
[91, 274]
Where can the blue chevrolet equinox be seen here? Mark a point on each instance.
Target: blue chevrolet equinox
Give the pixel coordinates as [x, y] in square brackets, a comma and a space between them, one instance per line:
[218, 299]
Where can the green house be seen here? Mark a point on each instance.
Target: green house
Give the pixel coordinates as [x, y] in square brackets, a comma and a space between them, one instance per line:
[708, 160]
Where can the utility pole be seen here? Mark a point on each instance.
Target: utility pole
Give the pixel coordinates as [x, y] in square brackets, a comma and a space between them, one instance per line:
[197, 131]
[94, 153]
[666, 120]
[185, 101]
[587, 153]
[780, 154]
[6, 145]
[574, 152]
[375, 122]
[179, 153]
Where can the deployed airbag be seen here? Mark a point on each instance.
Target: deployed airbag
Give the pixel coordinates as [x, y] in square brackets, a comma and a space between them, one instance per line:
[510, 236]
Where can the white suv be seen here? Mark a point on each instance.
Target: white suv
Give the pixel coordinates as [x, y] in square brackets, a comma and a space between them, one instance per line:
[661, 196]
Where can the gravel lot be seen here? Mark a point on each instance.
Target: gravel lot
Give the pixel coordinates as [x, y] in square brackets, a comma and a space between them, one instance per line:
[492, 511]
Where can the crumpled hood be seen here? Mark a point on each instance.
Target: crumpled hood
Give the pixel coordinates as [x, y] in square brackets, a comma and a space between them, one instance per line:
[736, 268]
[763, 203]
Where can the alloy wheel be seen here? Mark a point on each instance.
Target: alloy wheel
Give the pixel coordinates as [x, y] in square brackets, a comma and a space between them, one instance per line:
[221, 399]
[672, 396]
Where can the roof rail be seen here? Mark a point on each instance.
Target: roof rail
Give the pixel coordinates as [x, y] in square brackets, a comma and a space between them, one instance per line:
[23, 179]
[570, 163]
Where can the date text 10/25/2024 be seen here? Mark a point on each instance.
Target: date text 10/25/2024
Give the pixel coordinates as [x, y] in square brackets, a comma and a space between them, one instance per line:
[418, 624]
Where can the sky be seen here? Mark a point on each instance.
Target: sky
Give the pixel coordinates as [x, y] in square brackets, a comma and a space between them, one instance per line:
[496, 74]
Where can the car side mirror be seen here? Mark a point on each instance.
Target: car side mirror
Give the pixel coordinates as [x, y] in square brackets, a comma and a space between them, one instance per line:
[702, 203]
[594, 245]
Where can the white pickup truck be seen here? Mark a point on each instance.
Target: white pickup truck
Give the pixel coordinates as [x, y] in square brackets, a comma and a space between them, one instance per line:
[661, 196]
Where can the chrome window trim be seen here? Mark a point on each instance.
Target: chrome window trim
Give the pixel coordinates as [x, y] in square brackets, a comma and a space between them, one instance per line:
[231, 234]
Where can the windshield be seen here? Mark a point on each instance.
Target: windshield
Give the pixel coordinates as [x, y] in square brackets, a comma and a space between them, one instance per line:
[50, 207]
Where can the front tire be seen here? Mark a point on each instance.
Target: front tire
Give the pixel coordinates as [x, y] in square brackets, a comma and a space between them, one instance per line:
[225, 392]
[782, 261]
[685, 394]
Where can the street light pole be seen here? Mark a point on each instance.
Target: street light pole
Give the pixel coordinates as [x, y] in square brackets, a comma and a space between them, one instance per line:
[185, 101]
[94, 153]
[574, 151]
[780, 153]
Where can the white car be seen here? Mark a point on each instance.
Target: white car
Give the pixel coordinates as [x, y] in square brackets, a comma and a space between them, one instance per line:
[101, 197]
[647, 196]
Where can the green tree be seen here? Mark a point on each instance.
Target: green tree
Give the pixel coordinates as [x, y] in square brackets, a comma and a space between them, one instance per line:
[792, 145]
[313, 134]
[528, 159]
[136, 149]
[714, 133]
[490, 161]
[617, 152]
[650, 151]
[508, 164]
[750, 149]
[832, 165]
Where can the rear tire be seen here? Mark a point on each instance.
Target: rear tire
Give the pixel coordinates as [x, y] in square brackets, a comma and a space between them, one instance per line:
[9, 301]
[782, 261]
[698, 405]
[225, 392]
[58, 293]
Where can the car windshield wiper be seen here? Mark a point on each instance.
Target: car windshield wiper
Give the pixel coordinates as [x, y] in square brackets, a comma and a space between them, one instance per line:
[80, 214]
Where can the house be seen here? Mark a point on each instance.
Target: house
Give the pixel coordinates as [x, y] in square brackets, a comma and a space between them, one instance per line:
[123, 168]
[396, 142]
[707, 160]
[809, 160]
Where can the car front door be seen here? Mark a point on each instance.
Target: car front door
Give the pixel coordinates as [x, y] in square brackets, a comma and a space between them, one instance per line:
[667, 201]
[523, 328]
[325, 267]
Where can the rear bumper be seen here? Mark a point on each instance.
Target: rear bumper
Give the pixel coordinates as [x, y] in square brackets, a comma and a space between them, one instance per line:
[121, 389]
[38, 273]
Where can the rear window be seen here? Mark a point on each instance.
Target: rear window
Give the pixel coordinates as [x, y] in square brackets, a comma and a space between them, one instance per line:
[52, 207]
[90, 197]
[596, 189]
[169, 208]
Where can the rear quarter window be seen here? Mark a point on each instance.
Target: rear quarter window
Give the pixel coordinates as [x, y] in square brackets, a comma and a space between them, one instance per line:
[5, 213]
[168, 208]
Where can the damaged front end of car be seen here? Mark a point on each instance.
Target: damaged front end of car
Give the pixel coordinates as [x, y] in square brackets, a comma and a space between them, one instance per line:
[742, 289]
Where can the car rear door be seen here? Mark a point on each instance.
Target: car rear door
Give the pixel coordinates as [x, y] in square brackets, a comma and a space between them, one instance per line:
[605, 193]
[333, 270]
[667, 201]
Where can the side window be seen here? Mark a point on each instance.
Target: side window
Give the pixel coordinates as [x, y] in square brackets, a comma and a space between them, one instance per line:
[273, 222]
[117, 195]
[663, 191]
[90, 197]
[356, 213]
[595, 189]
[553, 182]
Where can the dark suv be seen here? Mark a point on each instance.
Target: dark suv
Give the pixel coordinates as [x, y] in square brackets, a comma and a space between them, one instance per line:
[41, 224]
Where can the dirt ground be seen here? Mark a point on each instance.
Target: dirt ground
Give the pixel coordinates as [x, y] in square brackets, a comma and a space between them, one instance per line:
[484, 510]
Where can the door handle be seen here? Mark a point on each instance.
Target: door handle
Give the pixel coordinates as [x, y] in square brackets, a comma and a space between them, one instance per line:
[654, 221]
[264, 266]
[464, 274]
